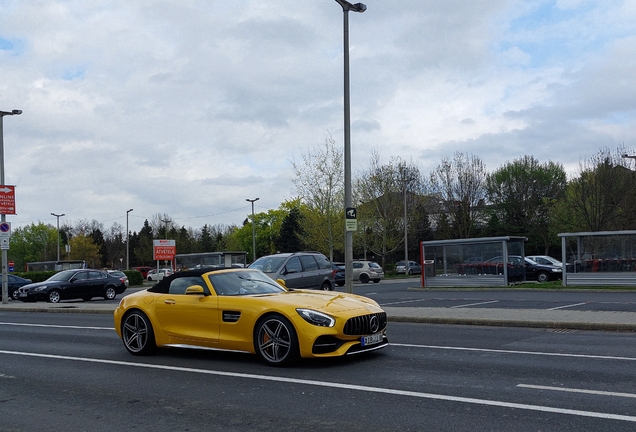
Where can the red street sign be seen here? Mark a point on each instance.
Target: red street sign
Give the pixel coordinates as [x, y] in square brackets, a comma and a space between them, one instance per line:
[164, 250]
[7, 200]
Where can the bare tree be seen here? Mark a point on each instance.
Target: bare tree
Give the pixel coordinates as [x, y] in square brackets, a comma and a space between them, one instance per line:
[460, 184]
[382, 193]
[319, 182]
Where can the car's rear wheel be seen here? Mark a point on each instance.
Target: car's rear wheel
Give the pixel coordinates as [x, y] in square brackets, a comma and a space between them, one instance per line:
[275, 341]
[326, 286]
[53, 296]
[364, 278]
[110, 293]
[376, 280]
[410, 271]
[542, 277]
[137, 333]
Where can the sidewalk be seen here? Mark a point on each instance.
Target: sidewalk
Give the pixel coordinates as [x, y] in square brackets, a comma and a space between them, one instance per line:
[561, 319]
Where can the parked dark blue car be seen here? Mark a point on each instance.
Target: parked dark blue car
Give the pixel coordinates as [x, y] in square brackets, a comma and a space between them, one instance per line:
[339, 274]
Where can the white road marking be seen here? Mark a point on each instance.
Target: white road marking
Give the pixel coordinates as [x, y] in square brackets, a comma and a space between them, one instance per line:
[566, 306]
[484, 402]
[57, 326]
[572, 390]
[405, 301]
[589, 356]
[475, 304]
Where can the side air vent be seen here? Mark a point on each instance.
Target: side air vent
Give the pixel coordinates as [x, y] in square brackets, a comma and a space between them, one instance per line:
[231, 316]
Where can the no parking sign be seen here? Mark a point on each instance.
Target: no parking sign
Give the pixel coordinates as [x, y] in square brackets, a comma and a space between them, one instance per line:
[5, 233]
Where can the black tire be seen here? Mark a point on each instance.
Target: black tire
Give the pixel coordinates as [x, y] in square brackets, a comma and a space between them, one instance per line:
[137, 333]
[542, 277]
[326, 286]
[14, 294]
[53, 296]
[364, 278]
[340, 283]
[275, 341]
[149, 279]
[410, 271]
[110, 293]
[376, 280]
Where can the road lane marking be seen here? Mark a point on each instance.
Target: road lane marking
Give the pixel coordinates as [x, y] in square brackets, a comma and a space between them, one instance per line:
[57, 326]
[405, 301]
[589, 356]
[368, 389]
[475, 304]
[573, 390]
[567, 306]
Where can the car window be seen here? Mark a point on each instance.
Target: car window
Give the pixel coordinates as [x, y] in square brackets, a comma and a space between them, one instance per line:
[81, 276]
[96, 275]
[373, 264]
[269, 264]
[243, 283]
[294, 265]
[357, 265]
[179, 285]
[323, 262]
[308, 262]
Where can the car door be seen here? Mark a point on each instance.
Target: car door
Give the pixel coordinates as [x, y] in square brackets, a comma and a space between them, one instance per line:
[293, 273]
[96, 283]
[188, 317]
[76, 287]
[311, 272]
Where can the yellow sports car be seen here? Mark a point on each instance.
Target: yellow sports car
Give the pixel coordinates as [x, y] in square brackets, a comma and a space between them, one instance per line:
[244, 310]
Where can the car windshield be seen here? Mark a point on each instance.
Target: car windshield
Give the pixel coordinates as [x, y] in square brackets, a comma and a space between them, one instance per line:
[63, 276]
[268, 264]
[243, 283]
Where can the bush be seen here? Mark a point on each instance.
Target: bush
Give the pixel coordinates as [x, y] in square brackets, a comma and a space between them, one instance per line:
[134, 277]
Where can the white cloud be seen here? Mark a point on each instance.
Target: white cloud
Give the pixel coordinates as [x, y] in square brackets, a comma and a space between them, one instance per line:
[187, 108]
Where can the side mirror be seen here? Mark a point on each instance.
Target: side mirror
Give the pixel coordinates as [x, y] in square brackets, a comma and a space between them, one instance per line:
[281, 282]
[195, 290]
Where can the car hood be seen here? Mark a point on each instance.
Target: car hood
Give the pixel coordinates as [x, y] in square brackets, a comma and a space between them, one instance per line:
[326, 301]
[41, 284]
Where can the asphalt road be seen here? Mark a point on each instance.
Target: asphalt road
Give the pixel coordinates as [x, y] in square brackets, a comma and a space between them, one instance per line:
[71, 372]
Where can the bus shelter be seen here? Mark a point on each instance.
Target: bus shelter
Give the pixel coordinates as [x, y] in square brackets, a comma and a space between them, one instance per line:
[599, 258]
[486, 261]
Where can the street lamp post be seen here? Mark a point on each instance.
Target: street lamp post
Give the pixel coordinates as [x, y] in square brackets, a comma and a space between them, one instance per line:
[3, 217]
[127, 242]
[58, 216]
[346, 7]
[253, 229]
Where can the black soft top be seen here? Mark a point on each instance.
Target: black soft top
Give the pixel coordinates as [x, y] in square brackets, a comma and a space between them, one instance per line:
[164, 284]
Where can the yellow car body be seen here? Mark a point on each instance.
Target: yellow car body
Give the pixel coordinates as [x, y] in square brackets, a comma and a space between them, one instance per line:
[244, 310]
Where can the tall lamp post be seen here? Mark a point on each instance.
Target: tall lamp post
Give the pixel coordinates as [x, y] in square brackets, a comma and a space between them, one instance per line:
[346, 7]
[127, 242]
[3, 217]
[253, 229]
[58, 216]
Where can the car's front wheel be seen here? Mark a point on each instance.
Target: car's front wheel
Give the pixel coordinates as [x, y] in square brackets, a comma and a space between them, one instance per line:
[275, 341]
[542, 277]
[14, 294]
[137, 333]
[110, 293]
[53, 296]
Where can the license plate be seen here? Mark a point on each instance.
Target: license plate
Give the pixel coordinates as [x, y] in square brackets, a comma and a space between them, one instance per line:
[23, 294]
[373, 339]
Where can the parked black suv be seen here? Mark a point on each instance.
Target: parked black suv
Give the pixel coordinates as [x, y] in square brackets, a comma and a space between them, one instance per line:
[298, 270]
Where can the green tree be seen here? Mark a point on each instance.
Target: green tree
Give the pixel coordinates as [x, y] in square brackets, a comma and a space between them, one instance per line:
[522, 194]
[83, 248]
[291, 232]
[32, 243]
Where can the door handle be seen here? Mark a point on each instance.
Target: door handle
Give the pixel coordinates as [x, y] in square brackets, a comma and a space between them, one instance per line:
[169, 302]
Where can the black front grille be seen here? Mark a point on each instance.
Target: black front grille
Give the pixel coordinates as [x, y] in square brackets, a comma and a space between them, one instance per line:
[365, 324]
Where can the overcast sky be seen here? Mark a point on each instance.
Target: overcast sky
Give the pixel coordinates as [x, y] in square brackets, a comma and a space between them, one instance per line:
[187, 108]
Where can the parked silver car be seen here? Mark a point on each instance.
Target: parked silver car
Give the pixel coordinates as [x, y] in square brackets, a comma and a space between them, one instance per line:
[414, 268]
[364, 271]
[305, 270]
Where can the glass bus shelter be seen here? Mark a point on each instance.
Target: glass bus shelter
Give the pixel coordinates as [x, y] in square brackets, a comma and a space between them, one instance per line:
[486, 261]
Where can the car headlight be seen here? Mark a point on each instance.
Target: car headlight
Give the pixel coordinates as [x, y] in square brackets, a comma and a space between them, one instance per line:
[556, 270]
[40, 288]
[316, 318]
